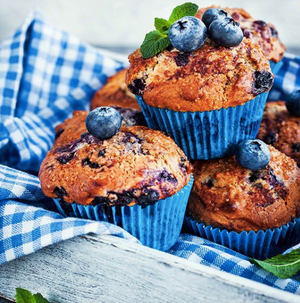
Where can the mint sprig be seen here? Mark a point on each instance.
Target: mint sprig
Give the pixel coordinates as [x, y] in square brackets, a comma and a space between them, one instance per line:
[282, 266]
[158, 40]
[25, 296]
[186, 9]
[154, 43]
[162, 25]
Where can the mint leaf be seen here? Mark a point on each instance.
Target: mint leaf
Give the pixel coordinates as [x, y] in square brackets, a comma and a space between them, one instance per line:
[24, 296]
[40, 299]
[186, 9]
[282, 266]
[154, 43]
[162, 25]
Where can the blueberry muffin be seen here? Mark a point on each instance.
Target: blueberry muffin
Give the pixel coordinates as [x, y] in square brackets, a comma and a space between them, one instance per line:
[252, 212]
[281, 129]
[234, 198]
[260, 32]
[207, 100]
[136, 166]
[138, 179]
[115, 93]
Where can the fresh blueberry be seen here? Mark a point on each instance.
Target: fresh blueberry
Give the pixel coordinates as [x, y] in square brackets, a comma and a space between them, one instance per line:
[213, 14]
[225, 32]
[253, 154]
[187, 34]
[293, 103]
[263, 80]
[103, 122]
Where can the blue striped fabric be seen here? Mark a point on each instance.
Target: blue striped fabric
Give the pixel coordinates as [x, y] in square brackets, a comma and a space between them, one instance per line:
[45, 74]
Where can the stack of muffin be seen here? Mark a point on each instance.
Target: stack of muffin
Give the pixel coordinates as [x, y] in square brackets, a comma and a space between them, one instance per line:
[209, 100]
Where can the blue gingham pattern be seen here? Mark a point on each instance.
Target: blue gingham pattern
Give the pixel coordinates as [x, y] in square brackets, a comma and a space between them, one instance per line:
[204, 252]
[287, 79]
[45, 74]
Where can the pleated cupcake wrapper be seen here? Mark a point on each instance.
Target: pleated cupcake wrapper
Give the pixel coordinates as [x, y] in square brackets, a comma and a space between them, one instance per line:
[157, 226]
[259, 245]
[275, 67]
[208, 134]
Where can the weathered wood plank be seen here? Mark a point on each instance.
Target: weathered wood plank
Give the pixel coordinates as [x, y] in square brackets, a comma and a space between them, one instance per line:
[108, 269]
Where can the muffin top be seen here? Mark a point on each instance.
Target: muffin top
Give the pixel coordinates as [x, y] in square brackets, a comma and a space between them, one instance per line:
[260, 32]
[136, 166]
[131, 117]
[115, 93]
[280, 129]
[209, 78]
[226, 195]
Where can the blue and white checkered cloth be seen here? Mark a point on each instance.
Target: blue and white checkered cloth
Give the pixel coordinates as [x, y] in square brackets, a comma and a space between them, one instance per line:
[45, 74]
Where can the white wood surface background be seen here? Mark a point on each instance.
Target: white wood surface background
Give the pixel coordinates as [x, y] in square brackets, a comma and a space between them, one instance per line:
[109, 269]
[124, 23]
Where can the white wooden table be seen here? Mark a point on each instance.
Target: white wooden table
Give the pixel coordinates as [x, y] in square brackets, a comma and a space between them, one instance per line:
[110, 269]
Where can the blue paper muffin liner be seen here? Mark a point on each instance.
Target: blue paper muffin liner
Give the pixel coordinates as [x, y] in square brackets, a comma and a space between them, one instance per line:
[275, 67]
[209, 134]
[157, 226]
[259, 245]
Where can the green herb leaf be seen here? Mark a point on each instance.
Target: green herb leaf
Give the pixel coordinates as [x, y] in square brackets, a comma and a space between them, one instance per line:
[162, 25]
[154, 43]
[40, 299]
[25, 296]
[282, 266]
[157, 41]
[186, 9]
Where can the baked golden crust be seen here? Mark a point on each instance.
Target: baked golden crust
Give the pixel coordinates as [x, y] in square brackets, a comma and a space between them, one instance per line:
[260, 32]
[209, 78]
[136, 166]
[115, 93]
[226, 195]
[280, 129]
